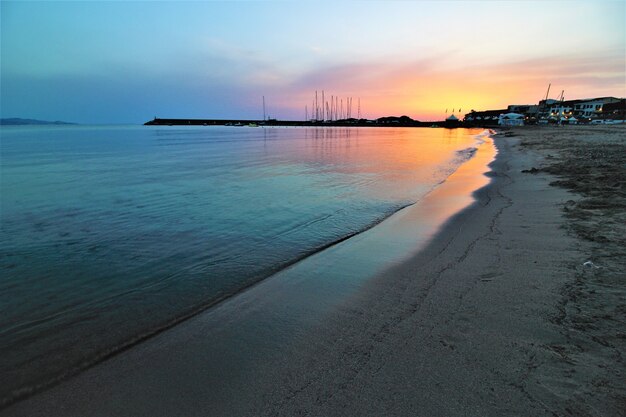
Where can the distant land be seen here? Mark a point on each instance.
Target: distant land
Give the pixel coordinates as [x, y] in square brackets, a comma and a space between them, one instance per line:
[18, 121]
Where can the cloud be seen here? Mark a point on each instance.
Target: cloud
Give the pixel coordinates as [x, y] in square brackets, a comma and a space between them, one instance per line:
[223, 80]
[423, 88]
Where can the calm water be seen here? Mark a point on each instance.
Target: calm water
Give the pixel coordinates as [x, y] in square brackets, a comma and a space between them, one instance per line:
[111, 233]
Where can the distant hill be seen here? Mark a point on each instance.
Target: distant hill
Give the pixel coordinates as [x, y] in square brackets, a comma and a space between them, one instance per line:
[18, 121]
[402, 120]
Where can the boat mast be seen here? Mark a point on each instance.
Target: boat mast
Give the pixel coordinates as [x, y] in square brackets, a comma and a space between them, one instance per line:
[317, 110]
[263, 108]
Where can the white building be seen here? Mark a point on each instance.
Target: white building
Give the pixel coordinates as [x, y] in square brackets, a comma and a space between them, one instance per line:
[562, 109]
[590, 108]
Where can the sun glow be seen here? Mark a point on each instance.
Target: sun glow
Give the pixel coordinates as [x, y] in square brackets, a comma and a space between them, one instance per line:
[104, 66]
[400, 89]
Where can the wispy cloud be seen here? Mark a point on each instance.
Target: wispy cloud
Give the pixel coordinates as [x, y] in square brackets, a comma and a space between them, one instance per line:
[423, 87]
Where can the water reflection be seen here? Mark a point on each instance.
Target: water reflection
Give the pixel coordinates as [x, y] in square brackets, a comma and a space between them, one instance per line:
[103, 224]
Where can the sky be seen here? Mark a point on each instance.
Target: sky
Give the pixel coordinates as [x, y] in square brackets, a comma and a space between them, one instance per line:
[127, 62]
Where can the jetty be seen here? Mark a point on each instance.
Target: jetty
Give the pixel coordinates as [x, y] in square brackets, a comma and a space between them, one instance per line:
[390, 121]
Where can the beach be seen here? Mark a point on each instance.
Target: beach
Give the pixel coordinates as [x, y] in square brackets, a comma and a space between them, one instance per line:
[514, 307]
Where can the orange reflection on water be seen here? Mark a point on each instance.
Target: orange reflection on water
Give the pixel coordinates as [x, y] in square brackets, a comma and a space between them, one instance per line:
[407, 231]
[409, 158]
[456, 193]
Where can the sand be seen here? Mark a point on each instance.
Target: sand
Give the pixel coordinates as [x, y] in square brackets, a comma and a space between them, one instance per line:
[501, 314]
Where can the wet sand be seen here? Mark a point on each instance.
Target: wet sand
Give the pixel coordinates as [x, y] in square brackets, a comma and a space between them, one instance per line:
[496, 316]
[499, 316]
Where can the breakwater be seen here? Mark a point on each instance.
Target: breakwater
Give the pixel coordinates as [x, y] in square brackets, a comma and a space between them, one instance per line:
[382, 122]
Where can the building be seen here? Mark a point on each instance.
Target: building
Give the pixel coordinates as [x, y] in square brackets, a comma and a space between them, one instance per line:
[562, 111]
[484, 118]
[451, 121]
[511, 119]
[525, 109]
[592, 108]
[615, 110]
[612, 113]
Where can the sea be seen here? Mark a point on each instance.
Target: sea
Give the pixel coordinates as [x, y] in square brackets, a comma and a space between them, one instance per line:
[111, 234]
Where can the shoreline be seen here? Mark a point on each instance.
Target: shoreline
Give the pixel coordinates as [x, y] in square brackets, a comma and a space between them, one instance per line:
[26, 392]
[397, 241]
[475, 323]
[498, 316]
[488, 320]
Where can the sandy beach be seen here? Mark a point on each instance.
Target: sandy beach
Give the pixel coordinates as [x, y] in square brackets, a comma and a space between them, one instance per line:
[502, 314]
[515, 307]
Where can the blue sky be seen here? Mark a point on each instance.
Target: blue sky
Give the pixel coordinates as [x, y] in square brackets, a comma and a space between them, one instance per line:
[125, 62]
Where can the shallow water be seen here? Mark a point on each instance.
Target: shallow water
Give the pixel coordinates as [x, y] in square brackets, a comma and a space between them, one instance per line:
[111, 233]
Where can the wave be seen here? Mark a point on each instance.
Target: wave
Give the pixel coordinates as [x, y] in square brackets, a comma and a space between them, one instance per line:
[377, 214]
[29, 390]
[464, 155]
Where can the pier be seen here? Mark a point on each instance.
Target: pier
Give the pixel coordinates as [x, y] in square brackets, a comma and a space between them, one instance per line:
[381, 122]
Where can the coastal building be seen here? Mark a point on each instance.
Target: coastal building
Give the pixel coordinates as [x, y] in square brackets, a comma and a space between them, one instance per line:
[484, 118]
[511, 119]
[611, 113]
[529, 111]
[576, 111]
[615, 110]
[452, 121]
[562, 111]
[525, 109]
[598, 110]
[543, 110]
[592, 108]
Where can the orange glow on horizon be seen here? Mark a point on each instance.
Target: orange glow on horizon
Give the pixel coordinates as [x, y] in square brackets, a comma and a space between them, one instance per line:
[423, 93]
